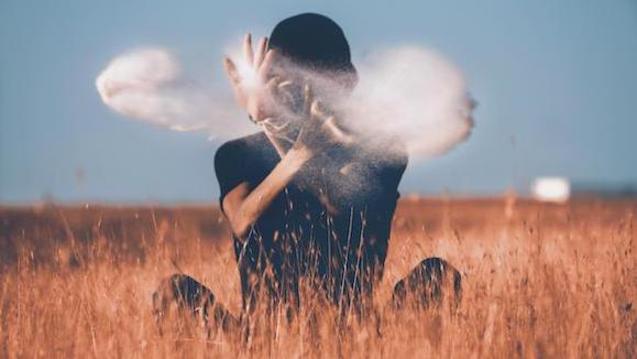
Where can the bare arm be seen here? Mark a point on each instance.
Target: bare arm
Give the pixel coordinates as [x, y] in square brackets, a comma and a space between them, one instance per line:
[243, 206]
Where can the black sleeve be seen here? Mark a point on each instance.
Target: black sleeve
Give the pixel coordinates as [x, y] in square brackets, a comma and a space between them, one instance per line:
[391, 174]
[230, 168]
[387, 174]
[380, 211]
[382, 202]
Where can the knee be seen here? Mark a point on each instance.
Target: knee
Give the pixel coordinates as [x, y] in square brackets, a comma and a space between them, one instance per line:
[440, 272]
[184, 292]
[430, 282]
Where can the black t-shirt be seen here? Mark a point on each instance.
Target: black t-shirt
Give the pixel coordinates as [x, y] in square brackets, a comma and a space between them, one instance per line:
[296, 237]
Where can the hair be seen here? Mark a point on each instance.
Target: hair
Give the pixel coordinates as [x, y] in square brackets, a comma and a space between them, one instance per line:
[317, 42]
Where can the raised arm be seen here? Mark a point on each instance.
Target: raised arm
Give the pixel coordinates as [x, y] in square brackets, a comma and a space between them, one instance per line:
[244, 204]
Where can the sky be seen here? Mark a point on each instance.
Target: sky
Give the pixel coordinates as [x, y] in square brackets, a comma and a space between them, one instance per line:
[555, 81]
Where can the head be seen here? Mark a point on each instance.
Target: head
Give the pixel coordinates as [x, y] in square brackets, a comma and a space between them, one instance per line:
[315, 42]
[310, 49]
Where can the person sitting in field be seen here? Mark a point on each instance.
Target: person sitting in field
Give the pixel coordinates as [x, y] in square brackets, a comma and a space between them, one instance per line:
[294, 196]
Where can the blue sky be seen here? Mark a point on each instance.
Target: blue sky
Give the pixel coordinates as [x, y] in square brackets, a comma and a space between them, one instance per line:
[555, 80]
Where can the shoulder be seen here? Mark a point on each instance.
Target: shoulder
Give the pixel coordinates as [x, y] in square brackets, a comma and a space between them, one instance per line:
[392, 169]
[395, 164]
[402, 164]
[250, 142]
[400, 161]
[240, 160]
[241, 147]
[245, 159]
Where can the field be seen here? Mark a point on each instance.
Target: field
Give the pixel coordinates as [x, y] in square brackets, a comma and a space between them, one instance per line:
[540, 280]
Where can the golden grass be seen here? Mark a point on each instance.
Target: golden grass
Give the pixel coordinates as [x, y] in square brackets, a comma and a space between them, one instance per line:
[539, 280]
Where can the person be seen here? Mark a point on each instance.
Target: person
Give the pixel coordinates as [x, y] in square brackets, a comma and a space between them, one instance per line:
[305, 202]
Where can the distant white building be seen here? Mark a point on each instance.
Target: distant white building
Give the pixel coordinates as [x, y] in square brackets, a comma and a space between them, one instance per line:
[551, 189]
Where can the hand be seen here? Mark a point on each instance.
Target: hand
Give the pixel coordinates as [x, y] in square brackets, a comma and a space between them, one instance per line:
[249, 80]
[320, 129]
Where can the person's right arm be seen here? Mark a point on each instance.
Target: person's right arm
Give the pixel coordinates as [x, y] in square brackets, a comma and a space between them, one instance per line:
[243, 205]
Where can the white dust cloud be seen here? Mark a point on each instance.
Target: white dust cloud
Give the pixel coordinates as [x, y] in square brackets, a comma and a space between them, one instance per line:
[148, 84]
[413, 95]
[408, 95]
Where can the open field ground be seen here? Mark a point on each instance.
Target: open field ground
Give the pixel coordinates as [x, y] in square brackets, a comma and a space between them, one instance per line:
[539, 280]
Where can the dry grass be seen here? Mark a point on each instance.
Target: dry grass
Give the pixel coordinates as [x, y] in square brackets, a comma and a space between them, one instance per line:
[539, 281]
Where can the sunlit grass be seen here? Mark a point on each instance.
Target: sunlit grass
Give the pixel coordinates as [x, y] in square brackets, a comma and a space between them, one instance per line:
[539, 280]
